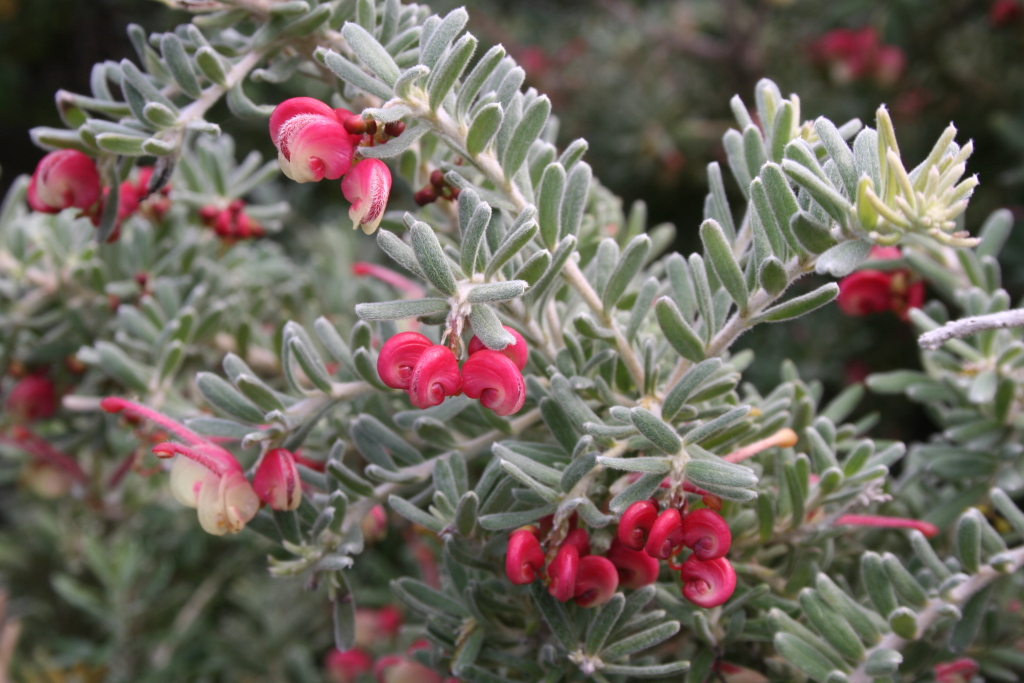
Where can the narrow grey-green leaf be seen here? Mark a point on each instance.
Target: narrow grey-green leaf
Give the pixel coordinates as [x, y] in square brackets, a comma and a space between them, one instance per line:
[629, 264]
[222, 396]
[640, 641]
[641, 489]
[719, 251]
[677, 331]
[480, 73]
[534, 268]
[813, 234]
[511, 246]
[371, 53]
[444, 75]
[602, 625]
[552, 187]
[803, 656]
[404, 308]
[719, 202]
[677, 395]
[432, 259]
[526, 131]
[833, 142]
[179, 64]
[715, 426]
[472, 231]
[574, 202]
[782, 130]
[496, 291]
[434, 45]
[556, 617]
[772, 276]
[842, 259]
[801, 305]
[350, 73]
[720, 473]
[733, 143]
[484, 127]
[835, 204]
[783, 205]
[656, 431]
[488, 327]
[414, 514]
[211, 64]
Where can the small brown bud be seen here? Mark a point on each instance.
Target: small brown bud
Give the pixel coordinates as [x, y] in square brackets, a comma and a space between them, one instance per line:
[395, 128]
[355, 125]
[437, 178]
[425, 196]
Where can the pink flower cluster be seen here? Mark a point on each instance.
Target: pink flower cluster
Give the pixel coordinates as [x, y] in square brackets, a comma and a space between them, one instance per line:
[856, 54]
[231, 223]
[429, 372]
[376, 628]
[315, 142]
[69, 179]
[875, 291]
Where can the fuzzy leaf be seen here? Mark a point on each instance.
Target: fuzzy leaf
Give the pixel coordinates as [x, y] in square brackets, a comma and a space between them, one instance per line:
[801, 305]
[397, 310]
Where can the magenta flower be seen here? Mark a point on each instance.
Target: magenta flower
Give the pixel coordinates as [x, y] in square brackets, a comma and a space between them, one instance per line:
[494, 378]
[277, 480]
[311, 140]
[435, 376]
[708, 584]
[707, 534]
[596, 581]
[635, 567]
[367, 186]
[206, 477]
[347, 666]
[635, 524]
[524, 557]
[32, 398]
[399, 356]
[666, 536]
[64, 179]
[926, 528]
[517, 351]
[562, 572]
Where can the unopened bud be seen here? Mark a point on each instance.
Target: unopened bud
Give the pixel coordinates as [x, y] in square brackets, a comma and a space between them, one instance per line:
[277, 480]
[596, 581]
[708, 584]
[395, 128]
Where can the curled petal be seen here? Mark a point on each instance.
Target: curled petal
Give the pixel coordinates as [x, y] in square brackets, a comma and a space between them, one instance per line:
[636, 568]
[708, 584]
[666, 535]
[865, 292]
[367, 186]
[518, 351]
[227, 507]
[562, 572]
[277, 480]
[580, 539]
[64, 179]
[707, 534]
[596, 581]
[494, 379]
[314, 148]
[398, 357]
[524, 558]
[289, 109]
[636, 523]
[435, 375]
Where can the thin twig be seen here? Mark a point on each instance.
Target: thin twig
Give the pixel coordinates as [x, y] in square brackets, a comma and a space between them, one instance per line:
[968, 326]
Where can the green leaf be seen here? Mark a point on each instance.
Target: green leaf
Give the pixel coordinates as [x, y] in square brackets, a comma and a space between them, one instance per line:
[211, 64]
[552, 188]
[349, 479]
[434, 45]
[688, 383]
[477, 77]
[653, 464]
[903, 622]
[719, 252]
[397, 310]
[839, 151]
[576, 470]
[877, 583]
[628, 265]
[719, 203]
[968, 540]
[534, 268]
[603, 623]
[842, 259]
[646, 671]
[488, 327]
[157, 147]
[772, 276]
[125, 145]
[677, 331]
[496, 291]
[500, 521]
[335, 345]
[179, 64]
[344, 613]
[555, 615]
[803, 656]
[753, 149]
[396, 146]
[835, 204]
[474, 216]
[371, 53]
[573, 152]
[966, 630]
[994, 233]
[421, 596]
[715, 426]
[882, 662]
[719, 473]
[244, 108]
[836, 630]
[444, 75]
[783, 205]
[574, 201]
[782, 129]
[656, 431]
[640, 641]
[484, 127]
[529, 128]
[801, 305]
[813, 234]
[222, 396]
[641, 489]
[414, 514]
[432, 259]
[511, 246]
[564, 250]
[350, 73]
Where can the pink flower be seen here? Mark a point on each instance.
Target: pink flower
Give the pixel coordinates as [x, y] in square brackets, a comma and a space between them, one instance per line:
[494, 378]
[374, 626]
[636, 568]
[277, 480]
[32, 398]
[708, 584]
[434, 377]
[375, 524]
[596, 581]
[524, 557]
[347, 666]
[854, 54]
[958, 671]
[562, 572]
[398, 358]
[367, 186]
[206, 476]
[64, 179]
[926, 528]
[707, 534]
[311, 140]
[635, 524]
[874, 291]
[581, 539]
[517, 351]
[1005, 12]
[666, 536]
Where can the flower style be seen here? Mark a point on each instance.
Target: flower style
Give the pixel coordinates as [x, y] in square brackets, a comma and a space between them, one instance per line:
[398, 358]
[312, 142]
[596, 581]
[277, 480]
[206, 476]
[666, 535]
[64, 179]
[494, 378]
[367, 186]
[562, 572]
[708, 584]
[707, 534]
[435, 376]
[926, 528]
[524, 557]
[636, 522]
[636, 568]
[32, 398]
[517, 351]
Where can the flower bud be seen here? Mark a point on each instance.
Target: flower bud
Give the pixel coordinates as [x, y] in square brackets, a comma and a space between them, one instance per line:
[524, 557]
[398, 357]
[347, 666]
[596, 581]
[374, 626]
[424, 196]
[367, 186]
[394, 129]
[581, 539]
[396, 669]
[961, 670]
[707, 534]
[277, 480]
[312, 144]
[495, 380]
[32, 398]
[636, 522]
[375, 524]
[435, 376]
[64, 179]
[518, 350]
[562, 572]
[636, 568]
[708, 584]
[666, 535]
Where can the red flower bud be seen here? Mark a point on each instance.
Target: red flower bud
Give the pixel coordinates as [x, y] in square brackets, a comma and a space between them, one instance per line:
[707, 534]
[596, 581]
[437, 178]
[277, 480]
[495, 380]
[394, 129]
[518, 350]
[64, 179]
[708, 584]
[958, 671]
[435, 375]
[636, 568]
[562, 572]
[636, 522]
[32, 398]
[347, 666]
[581, 539]
[427, 195]
[398, 357]
[524, 557]
[367, 186]
[312, 143]
[666, 535]
[375, 524]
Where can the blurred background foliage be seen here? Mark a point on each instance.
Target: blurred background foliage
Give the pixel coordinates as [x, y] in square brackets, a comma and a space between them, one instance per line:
[647, 83]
